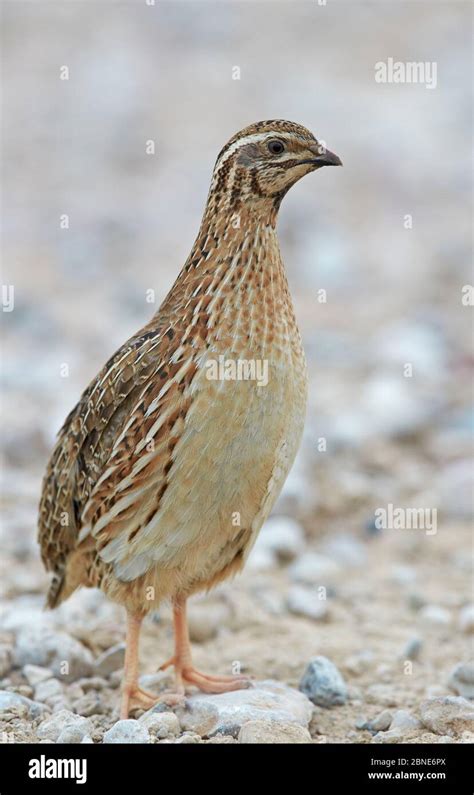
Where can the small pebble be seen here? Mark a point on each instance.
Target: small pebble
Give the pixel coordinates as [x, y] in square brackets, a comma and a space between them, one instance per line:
[303, 601]
[89, 704]
[461, 680]
[162, 725]
[412, 649]
[272, 731]
[435, 615]
[52, 728]
[323, 684]
[9, 701]
[127, 731]
[50, 688]
[447, 715]
[404, 722]
[382, 722]
[34, 674]
[188, 739]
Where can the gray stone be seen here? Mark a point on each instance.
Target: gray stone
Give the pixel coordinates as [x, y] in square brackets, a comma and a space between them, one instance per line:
[304, 601]
[381, 723]
[272, 731]
[34, 674]
[11, 701]
[404, 722]
[435, 615]
[461, 680]
[92, 683]
[162, 725]
[110, 661]
[52, 728]
[48, 689]
[89, 704]
[323, 684]
[73, 733]
[226, 713]
[127, 731]
[412, 649]
[447, 715]
[66, 657]
[188, 739]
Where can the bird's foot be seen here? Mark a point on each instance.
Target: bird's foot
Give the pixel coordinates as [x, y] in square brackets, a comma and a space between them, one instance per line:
[138, 698]
[188, 674]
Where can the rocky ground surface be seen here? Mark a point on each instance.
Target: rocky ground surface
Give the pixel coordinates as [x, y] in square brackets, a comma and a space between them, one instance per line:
[355, 633]
[350, 639]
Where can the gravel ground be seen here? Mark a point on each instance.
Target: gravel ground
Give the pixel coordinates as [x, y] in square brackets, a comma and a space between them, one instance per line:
[356, 630]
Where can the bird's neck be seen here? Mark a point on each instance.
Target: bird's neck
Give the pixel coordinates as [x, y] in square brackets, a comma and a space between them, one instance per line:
[232, 233]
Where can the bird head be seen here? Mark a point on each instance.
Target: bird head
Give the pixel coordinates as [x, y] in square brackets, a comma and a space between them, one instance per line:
[261, 162]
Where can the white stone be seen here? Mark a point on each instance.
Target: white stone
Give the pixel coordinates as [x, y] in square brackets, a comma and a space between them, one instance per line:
[272, 731]
[52, 727]
[435, 615]
[48, 689]
[403, 722]
[226, 713]
[66, 657]
[11, 701]
[34, 674]
[162, 725]
[447, 715]
[73, 733]
[304, 601]
[127, 731]
[461, 680]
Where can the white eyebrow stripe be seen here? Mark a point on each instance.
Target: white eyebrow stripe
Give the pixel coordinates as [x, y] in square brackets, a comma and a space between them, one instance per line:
[254, 138]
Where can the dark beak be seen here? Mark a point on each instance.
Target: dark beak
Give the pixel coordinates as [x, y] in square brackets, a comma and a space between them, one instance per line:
[328, 158]
[323, 157]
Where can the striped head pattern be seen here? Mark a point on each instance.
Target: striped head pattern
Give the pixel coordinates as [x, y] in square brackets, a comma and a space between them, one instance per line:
[261, 162]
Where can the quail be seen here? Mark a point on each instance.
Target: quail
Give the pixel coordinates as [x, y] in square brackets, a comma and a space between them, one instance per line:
[167, 467]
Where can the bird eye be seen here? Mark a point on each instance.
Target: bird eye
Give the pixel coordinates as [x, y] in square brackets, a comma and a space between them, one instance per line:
[276, 147]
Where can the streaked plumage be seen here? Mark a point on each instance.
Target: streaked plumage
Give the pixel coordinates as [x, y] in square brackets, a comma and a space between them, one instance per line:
[161, 477]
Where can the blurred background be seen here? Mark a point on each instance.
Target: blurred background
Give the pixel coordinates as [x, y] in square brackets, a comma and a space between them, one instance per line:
[377, 255]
